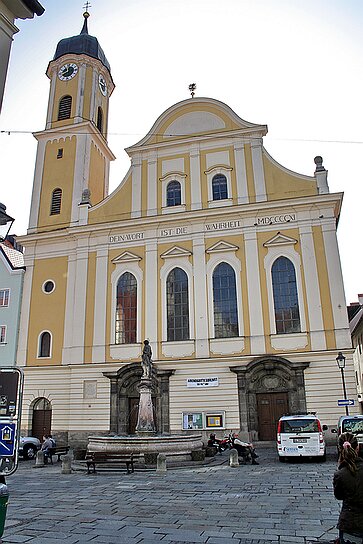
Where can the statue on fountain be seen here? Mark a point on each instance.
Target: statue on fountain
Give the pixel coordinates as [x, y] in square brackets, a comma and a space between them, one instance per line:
[146, 362]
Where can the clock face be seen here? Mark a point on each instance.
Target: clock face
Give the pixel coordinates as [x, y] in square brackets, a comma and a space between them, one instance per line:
[102, 84]
[68, 71]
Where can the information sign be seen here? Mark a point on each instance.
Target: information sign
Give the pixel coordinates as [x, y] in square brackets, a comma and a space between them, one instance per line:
[11, 391]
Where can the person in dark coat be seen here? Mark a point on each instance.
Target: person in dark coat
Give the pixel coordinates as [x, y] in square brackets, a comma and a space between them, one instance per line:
[348, 487]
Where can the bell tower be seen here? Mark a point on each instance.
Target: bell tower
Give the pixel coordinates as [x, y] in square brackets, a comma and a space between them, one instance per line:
[73, 157]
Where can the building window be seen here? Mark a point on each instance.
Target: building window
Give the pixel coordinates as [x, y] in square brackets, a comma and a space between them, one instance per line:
[219, 187]
[44, 344]
[99, 118]
[2, 334]
[48, 287]
[56, 204]
[173, 193]
[60, 153]
[285, 297]
[126, 309]
[225, 302]
[177, 305]
[4, 297]
[65, 106]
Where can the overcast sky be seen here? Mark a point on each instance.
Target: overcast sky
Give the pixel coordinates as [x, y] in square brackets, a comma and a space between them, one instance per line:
[295, 65]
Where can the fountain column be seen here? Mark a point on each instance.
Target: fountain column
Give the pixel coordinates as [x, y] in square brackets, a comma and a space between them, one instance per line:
[145, 420]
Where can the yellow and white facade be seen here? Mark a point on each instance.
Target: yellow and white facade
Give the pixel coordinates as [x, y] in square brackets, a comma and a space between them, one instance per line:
[201, 192]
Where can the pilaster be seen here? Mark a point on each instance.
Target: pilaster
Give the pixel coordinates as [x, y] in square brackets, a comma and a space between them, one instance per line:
[241, 175]
[258, 171]
[99, 323]
[37, 185]
[254, 293]
[152, 206]
[151, 296]
[25, 307]
[200, 299]
[195, 188]
[317, 335]
[136, 187]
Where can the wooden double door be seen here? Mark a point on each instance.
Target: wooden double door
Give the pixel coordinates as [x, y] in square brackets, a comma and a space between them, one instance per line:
[270, 407]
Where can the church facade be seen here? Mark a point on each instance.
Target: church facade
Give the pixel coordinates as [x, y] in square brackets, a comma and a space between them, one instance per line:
[223, 259]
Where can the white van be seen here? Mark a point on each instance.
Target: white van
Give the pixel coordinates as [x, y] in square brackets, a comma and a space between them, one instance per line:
[301, 436]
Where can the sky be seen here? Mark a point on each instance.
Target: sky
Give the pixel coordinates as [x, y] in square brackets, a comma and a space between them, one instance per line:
[295, 65]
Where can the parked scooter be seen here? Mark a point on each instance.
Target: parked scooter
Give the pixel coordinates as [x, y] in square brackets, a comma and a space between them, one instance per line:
[221, 444]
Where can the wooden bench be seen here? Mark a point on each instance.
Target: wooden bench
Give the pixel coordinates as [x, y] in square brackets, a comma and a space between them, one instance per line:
[58, 450]
[100, 457]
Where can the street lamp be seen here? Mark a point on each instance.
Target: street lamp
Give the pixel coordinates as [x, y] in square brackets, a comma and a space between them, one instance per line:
[341, 364]
[6, 222]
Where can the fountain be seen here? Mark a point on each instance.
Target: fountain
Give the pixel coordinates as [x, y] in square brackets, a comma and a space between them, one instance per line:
[147, 441]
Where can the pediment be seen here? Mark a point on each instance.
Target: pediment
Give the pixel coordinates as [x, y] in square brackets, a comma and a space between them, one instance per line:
[176, 251]
[222, 246]
[126, 257]
[280, 240]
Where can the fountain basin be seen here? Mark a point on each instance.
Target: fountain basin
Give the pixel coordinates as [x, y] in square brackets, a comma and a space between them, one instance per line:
[179, 446]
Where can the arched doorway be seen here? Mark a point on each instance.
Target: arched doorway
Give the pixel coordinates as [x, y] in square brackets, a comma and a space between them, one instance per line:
[269, 387]
[124, 398]
[42, 418]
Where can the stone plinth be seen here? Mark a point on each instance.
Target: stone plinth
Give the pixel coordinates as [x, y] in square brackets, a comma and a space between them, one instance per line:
[145, 421]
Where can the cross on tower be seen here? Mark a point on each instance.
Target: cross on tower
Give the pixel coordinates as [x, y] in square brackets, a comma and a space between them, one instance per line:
[87, 5]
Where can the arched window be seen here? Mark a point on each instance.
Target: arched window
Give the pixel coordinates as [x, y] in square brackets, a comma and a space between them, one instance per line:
[286, 302]
[219, 187]
[225, 302]
[126, 309]
[65, 107]
[44, 344]
[177, 302]
[173, 193]
[56, 203]
[100, 119]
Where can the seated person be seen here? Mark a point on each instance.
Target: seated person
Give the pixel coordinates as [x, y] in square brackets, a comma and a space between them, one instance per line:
[245, 450]
[47, 445]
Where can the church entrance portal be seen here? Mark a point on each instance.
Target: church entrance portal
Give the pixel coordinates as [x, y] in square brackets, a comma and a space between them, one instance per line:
[124, 399]
[270, 407]
[267, 388]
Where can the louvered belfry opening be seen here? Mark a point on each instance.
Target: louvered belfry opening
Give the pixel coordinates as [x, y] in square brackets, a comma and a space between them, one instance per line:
[65, 106]
[55, 207]
[99, 119]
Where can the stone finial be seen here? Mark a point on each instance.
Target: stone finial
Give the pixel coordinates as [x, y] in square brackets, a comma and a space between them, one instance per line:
[67, 464]
[86, 196]
[319, 164]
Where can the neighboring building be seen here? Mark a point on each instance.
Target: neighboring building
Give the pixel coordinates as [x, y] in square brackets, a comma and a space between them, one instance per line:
[355, 313]
[11, 287]
[227, 261]
[9, 11]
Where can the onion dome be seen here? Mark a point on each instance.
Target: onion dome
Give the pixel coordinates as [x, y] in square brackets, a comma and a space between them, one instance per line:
[82, 44]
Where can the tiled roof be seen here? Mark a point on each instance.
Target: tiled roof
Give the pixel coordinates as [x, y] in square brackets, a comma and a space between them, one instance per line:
[16, 258]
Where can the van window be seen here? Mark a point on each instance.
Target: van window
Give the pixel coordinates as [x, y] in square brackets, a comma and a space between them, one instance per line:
[299, 426]
[352, 426]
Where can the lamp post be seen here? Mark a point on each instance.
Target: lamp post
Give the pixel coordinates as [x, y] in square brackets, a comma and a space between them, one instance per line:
[6, 222]
[341, 364]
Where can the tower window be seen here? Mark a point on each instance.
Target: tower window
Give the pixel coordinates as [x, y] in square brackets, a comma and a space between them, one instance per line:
[45, 340]
[65, 106]
[55, 207]
[60, 153]
[99, 119]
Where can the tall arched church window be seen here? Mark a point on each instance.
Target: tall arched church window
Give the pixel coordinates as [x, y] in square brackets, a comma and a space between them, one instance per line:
[177, 301]
[219, 187]
[225, 302]
[56, 203]
[286, 303]
[44, 344]
[126, 309]
[65, 107]
[173, 193]
[99, 118]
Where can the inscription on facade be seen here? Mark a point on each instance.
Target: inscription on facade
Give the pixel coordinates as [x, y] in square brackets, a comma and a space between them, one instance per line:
[223, 225]
[271, 219]
[176, 231]
[128, 237]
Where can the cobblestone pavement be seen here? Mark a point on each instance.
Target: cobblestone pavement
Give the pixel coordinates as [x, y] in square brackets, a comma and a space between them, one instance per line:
[272, 502]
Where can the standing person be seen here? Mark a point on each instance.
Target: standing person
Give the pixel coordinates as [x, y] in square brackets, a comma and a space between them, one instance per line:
[348, 487]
